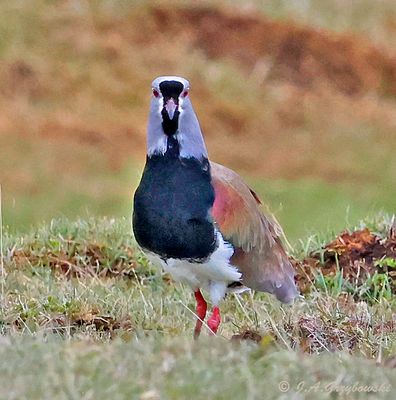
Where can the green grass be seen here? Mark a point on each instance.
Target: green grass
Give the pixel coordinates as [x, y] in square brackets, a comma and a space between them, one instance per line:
[302, 206]
[305, 207]
[175, 369]
[82, 305]
[49, 184]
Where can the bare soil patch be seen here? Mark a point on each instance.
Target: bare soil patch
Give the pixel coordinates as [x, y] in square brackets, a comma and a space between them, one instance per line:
[358, 256]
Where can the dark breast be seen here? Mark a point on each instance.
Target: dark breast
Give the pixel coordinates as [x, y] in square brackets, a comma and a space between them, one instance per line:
[172, 208]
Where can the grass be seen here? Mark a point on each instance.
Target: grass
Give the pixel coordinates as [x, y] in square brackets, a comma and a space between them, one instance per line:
[178, 369]
[303, 206]
[50, 183]
[82, 305]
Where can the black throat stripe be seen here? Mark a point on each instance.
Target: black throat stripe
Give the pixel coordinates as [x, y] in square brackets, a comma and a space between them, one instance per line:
[170, 126]
[170, 90]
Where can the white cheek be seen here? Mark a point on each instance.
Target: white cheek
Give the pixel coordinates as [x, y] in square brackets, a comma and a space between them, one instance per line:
[160, 103]
[182, 104]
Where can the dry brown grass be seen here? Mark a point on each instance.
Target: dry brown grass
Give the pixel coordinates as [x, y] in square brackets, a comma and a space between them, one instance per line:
[262, 88]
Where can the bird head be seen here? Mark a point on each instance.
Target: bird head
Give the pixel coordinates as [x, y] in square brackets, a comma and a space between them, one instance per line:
[172, 120]
[169, 94]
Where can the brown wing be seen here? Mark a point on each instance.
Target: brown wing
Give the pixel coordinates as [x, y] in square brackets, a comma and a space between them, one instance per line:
[259, 253]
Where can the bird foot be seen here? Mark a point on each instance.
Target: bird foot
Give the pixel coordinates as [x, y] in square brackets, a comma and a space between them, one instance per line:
[214, 320]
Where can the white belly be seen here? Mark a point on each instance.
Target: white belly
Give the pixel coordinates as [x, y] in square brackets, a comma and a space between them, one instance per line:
[213, 275]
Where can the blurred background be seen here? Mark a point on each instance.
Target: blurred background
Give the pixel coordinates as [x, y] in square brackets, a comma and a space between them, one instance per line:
[298, 96]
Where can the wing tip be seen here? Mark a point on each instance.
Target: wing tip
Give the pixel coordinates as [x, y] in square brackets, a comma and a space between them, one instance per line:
[287, 293]
[279, 281]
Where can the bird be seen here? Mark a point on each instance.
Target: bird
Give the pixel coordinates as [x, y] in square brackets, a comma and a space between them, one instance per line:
[199, 220]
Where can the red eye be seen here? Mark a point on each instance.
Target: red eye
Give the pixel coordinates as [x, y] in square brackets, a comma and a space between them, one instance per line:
[185, 93]
[156, 93]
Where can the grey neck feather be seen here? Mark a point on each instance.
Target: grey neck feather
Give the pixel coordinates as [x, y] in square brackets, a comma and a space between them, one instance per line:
[188, 135]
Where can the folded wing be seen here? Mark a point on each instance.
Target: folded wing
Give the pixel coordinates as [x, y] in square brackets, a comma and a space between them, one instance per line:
[259, 254]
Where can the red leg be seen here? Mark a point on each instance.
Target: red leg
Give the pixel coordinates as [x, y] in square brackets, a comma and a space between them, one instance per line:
[201, 312]
[214, 320]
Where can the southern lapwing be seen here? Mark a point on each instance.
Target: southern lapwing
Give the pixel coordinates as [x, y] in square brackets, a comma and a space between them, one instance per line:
[198, 219]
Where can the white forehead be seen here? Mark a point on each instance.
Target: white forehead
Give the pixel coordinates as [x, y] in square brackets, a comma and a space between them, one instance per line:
[157, 81]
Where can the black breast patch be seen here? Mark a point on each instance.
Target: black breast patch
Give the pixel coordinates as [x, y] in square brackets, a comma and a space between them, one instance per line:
[172, 208]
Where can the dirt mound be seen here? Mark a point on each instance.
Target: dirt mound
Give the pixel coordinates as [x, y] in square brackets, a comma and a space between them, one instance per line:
[298, 54]
[362, 258]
